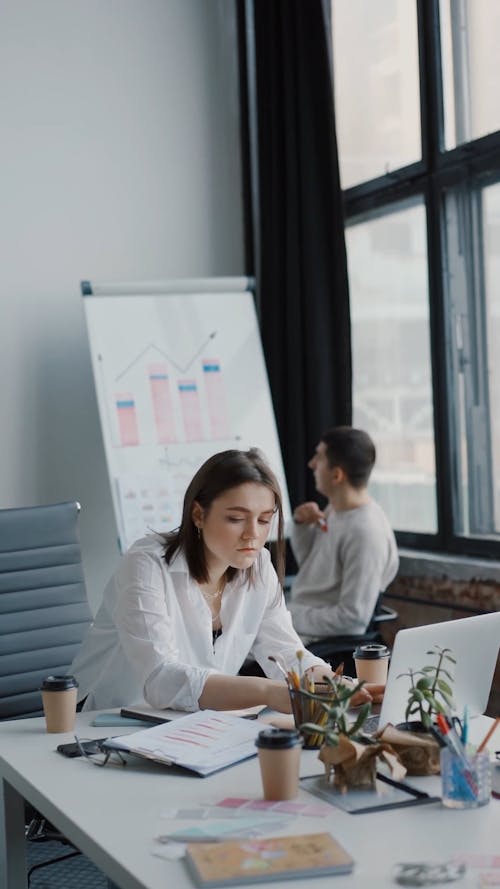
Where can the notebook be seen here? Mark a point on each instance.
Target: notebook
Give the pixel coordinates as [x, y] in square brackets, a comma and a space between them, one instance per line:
[145, 713]
[474, 642]
[234, 862]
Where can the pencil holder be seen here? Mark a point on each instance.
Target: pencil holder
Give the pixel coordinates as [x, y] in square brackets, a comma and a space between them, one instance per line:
[307, 709]
[466, 782]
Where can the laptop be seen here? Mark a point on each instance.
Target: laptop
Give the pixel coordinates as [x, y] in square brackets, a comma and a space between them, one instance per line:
[474, 643]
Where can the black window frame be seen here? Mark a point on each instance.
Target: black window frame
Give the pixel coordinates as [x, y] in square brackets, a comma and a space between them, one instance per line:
[474, 163]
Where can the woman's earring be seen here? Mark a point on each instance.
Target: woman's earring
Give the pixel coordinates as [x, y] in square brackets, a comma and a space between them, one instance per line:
[199, 532]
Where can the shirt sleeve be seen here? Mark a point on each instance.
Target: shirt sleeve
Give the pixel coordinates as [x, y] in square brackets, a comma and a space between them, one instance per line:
[362, 573]
[277, 635]
[301, 539]
[147, 634]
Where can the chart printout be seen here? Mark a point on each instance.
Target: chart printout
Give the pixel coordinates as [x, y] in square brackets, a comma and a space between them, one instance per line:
[178, 377]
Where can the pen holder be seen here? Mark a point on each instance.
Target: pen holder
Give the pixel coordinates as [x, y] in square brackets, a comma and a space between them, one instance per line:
[307, 709]
[466, 783]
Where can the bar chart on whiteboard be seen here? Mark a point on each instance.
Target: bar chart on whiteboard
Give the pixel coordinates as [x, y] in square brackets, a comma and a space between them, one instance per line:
[178, 378]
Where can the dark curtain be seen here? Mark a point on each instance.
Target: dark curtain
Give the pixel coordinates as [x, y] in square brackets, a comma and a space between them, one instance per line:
[299, 235]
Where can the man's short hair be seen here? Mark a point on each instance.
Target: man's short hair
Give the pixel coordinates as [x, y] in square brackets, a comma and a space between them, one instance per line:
[352, 450]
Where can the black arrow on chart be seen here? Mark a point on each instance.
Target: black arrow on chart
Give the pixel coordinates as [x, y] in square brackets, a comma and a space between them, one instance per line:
[178, 367]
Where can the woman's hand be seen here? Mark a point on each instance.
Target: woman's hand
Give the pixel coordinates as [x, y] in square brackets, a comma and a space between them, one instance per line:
[278, 696]
[370, 693]
[376, 692]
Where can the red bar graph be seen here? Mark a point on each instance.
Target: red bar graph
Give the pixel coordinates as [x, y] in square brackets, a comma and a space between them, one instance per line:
[190, 406]
[127, 419]
[216, 398]
[162, 402]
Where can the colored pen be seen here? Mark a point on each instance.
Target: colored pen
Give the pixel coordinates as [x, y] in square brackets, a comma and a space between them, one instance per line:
[453, 743]
[488, 735]
[450, 736]
[323, 524]
[465, 726]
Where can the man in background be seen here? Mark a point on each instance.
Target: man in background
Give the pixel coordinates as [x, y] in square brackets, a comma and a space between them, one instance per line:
[347, 553]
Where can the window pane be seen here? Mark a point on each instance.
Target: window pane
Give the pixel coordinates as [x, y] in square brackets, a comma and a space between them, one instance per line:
[491, 222]
[472, 309]
[375, 57]
[470, 34]
[392, 389]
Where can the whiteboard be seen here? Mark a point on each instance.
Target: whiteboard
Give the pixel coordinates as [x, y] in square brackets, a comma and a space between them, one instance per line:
[180, 375]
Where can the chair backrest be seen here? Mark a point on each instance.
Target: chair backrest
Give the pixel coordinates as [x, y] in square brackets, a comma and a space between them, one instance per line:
[44, 611]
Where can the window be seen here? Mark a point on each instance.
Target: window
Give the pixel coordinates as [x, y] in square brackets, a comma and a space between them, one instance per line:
[418, 124]
[469, 40]
[376, 66]
[392, 387]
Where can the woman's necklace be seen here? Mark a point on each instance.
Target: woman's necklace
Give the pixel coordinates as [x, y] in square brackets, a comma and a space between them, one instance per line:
[211, 599]
[211, 596]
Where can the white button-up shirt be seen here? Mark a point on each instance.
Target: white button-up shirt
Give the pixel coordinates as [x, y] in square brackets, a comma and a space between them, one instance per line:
[152, 636]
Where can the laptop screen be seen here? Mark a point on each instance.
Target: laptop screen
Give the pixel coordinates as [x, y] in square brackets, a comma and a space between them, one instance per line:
[474, 643]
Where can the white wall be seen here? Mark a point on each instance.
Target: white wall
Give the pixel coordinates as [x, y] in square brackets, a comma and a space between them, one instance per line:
[119, 160]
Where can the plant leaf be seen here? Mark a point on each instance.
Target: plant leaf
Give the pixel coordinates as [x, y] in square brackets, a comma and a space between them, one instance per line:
[444, 687]
[360, 719]
[312, 728]
[448, 674]
[423, 683]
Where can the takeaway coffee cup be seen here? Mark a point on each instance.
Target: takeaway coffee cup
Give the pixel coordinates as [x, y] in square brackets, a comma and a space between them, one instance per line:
[372, 662]
[59, 695]
[279, 759]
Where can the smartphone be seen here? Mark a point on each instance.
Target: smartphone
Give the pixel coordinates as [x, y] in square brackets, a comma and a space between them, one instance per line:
[72, 749]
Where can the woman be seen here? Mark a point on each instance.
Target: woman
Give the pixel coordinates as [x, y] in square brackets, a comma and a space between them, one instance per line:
[184, 610]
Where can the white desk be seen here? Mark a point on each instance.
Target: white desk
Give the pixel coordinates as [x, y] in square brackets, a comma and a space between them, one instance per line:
[112, 814]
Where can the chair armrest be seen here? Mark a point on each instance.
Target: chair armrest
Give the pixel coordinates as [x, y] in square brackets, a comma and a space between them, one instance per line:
[383, 614]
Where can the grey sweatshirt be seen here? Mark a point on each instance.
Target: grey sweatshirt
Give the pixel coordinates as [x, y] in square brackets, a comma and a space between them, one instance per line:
[341, 571]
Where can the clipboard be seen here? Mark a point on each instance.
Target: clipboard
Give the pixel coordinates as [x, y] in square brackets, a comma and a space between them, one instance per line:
[389, 794]
[203, 742]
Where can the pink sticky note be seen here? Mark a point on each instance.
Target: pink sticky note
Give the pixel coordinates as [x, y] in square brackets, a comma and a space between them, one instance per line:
[232, 802]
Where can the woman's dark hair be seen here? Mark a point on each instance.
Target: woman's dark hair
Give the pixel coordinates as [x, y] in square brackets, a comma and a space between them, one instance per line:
[352, 450]
[220, 473]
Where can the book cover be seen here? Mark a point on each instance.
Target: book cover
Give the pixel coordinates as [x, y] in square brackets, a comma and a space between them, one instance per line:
[261, 860]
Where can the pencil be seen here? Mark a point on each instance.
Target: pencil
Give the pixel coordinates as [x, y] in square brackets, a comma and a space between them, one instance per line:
[488, 735]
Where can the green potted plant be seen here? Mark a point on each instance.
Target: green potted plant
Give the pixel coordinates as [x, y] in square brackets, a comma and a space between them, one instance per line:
[349, 757]
[331, 712]
[430, 693]
[430, 690]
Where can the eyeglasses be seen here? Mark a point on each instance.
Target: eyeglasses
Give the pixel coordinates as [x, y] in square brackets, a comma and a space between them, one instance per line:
[92, 751]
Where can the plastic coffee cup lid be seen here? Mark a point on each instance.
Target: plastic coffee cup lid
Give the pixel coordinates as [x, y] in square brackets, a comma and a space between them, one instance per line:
[371, 652]
[278, 738]
[59, 683]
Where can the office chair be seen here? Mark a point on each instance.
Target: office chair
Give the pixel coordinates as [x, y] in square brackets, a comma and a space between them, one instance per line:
[44, 611]
[44, 614]
[339, 649]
